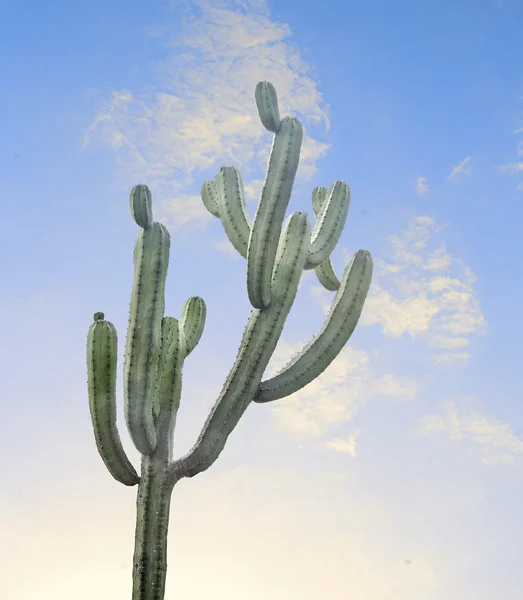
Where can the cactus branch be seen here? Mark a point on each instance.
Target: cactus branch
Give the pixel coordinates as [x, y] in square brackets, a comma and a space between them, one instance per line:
[275, 196]
[192, 322]
[231, 208]
[329, 224]
[101, 381]
[319, 353]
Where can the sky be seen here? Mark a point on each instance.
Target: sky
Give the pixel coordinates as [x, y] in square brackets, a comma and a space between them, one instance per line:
[398, 473]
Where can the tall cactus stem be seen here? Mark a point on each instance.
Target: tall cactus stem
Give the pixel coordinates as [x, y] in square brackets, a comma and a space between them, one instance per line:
[144, 334]
[275, 196]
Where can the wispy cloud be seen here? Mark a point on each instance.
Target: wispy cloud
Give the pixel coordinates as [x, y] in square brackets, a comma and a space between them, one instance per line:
[425, 293]
[422, 188]
[460, 169]
[337, 395]
[345, 445]
[493, 441]
[205, 115]
[514, 168]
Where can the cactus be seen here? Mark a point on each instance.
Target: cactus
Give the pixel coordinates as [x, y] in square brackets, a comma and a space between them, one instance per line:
[276, 252]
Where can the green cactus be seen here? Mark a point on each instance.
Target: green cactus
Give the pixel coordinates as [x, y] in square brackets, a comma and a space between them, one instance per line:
[277, 252]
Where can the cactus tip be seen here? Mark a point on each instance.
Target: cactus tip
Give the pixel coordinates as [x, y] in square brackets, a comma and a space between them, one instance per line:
[99, 316]
[141, 205]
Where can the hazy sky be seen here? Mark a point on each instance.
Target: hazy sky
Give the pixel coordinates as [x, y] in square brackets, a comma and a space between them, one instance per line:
[395, 475]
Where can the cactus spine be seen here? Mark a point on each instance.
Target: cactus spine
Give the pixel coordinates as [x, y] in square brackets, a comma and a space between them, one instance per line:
[276, 253]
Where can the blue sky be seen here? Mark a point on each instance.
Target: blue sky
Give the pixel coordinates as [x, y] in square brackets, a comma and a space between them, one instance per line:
[398, 472]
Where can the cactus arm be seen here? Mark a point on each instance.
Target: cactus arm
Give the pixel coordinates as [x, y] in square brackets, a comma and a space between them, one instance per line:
[101, 382]
[151, 260]
[329, 225]
[169, 384]
[209, 196]
[275, 196]
[192, 322]
[258, 343]
[325, 270]
[231, 208]
[326, 275]
[141, 205]
[267, 103]
[319, 195]
[326, 345]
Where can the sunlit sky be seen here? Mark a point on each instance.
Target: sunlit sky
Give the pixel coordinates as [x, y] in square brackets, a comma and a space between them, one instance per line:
[397, 474]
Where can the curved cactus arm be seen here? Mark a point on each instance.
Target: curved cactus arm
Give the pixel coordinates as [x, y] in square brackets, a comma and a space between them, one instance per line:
[168, 384]
[326, 275]
[231, 208]
[101, 383]
[268, 220]
[319, 353]
[267, 103]
[192, 322]
[143, 344]
[329, 224]
[325, 270]
[258, 343]
[209, 196]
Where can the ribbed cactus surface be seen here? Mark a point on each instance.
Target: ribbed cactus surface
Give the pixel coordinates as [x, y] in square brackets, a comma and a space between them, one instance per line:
[277, 251]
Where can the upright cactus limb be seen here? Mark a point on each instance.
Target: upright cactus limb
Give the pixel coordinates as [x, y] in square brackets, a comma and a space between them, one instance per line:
[231, 208]
[276, 253]
[224, 198]
[209, 195]
[142, 353]
[275, 196]
[101, 382]
[329, 224]
[192, 322]
[325, 270]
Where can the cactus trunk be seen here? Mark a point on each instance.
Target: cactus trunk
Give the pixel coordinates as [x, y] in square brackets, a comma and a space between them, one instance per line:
[152, 522]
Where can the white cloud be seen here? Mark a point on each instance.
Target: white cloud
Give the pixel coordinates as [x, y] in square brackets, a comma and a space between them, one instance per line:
[491, 440]
[460, 168]
[425, 292]
[205, 115]
[336, 395]
[347, 445]
[422, 188]
[514, 168]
